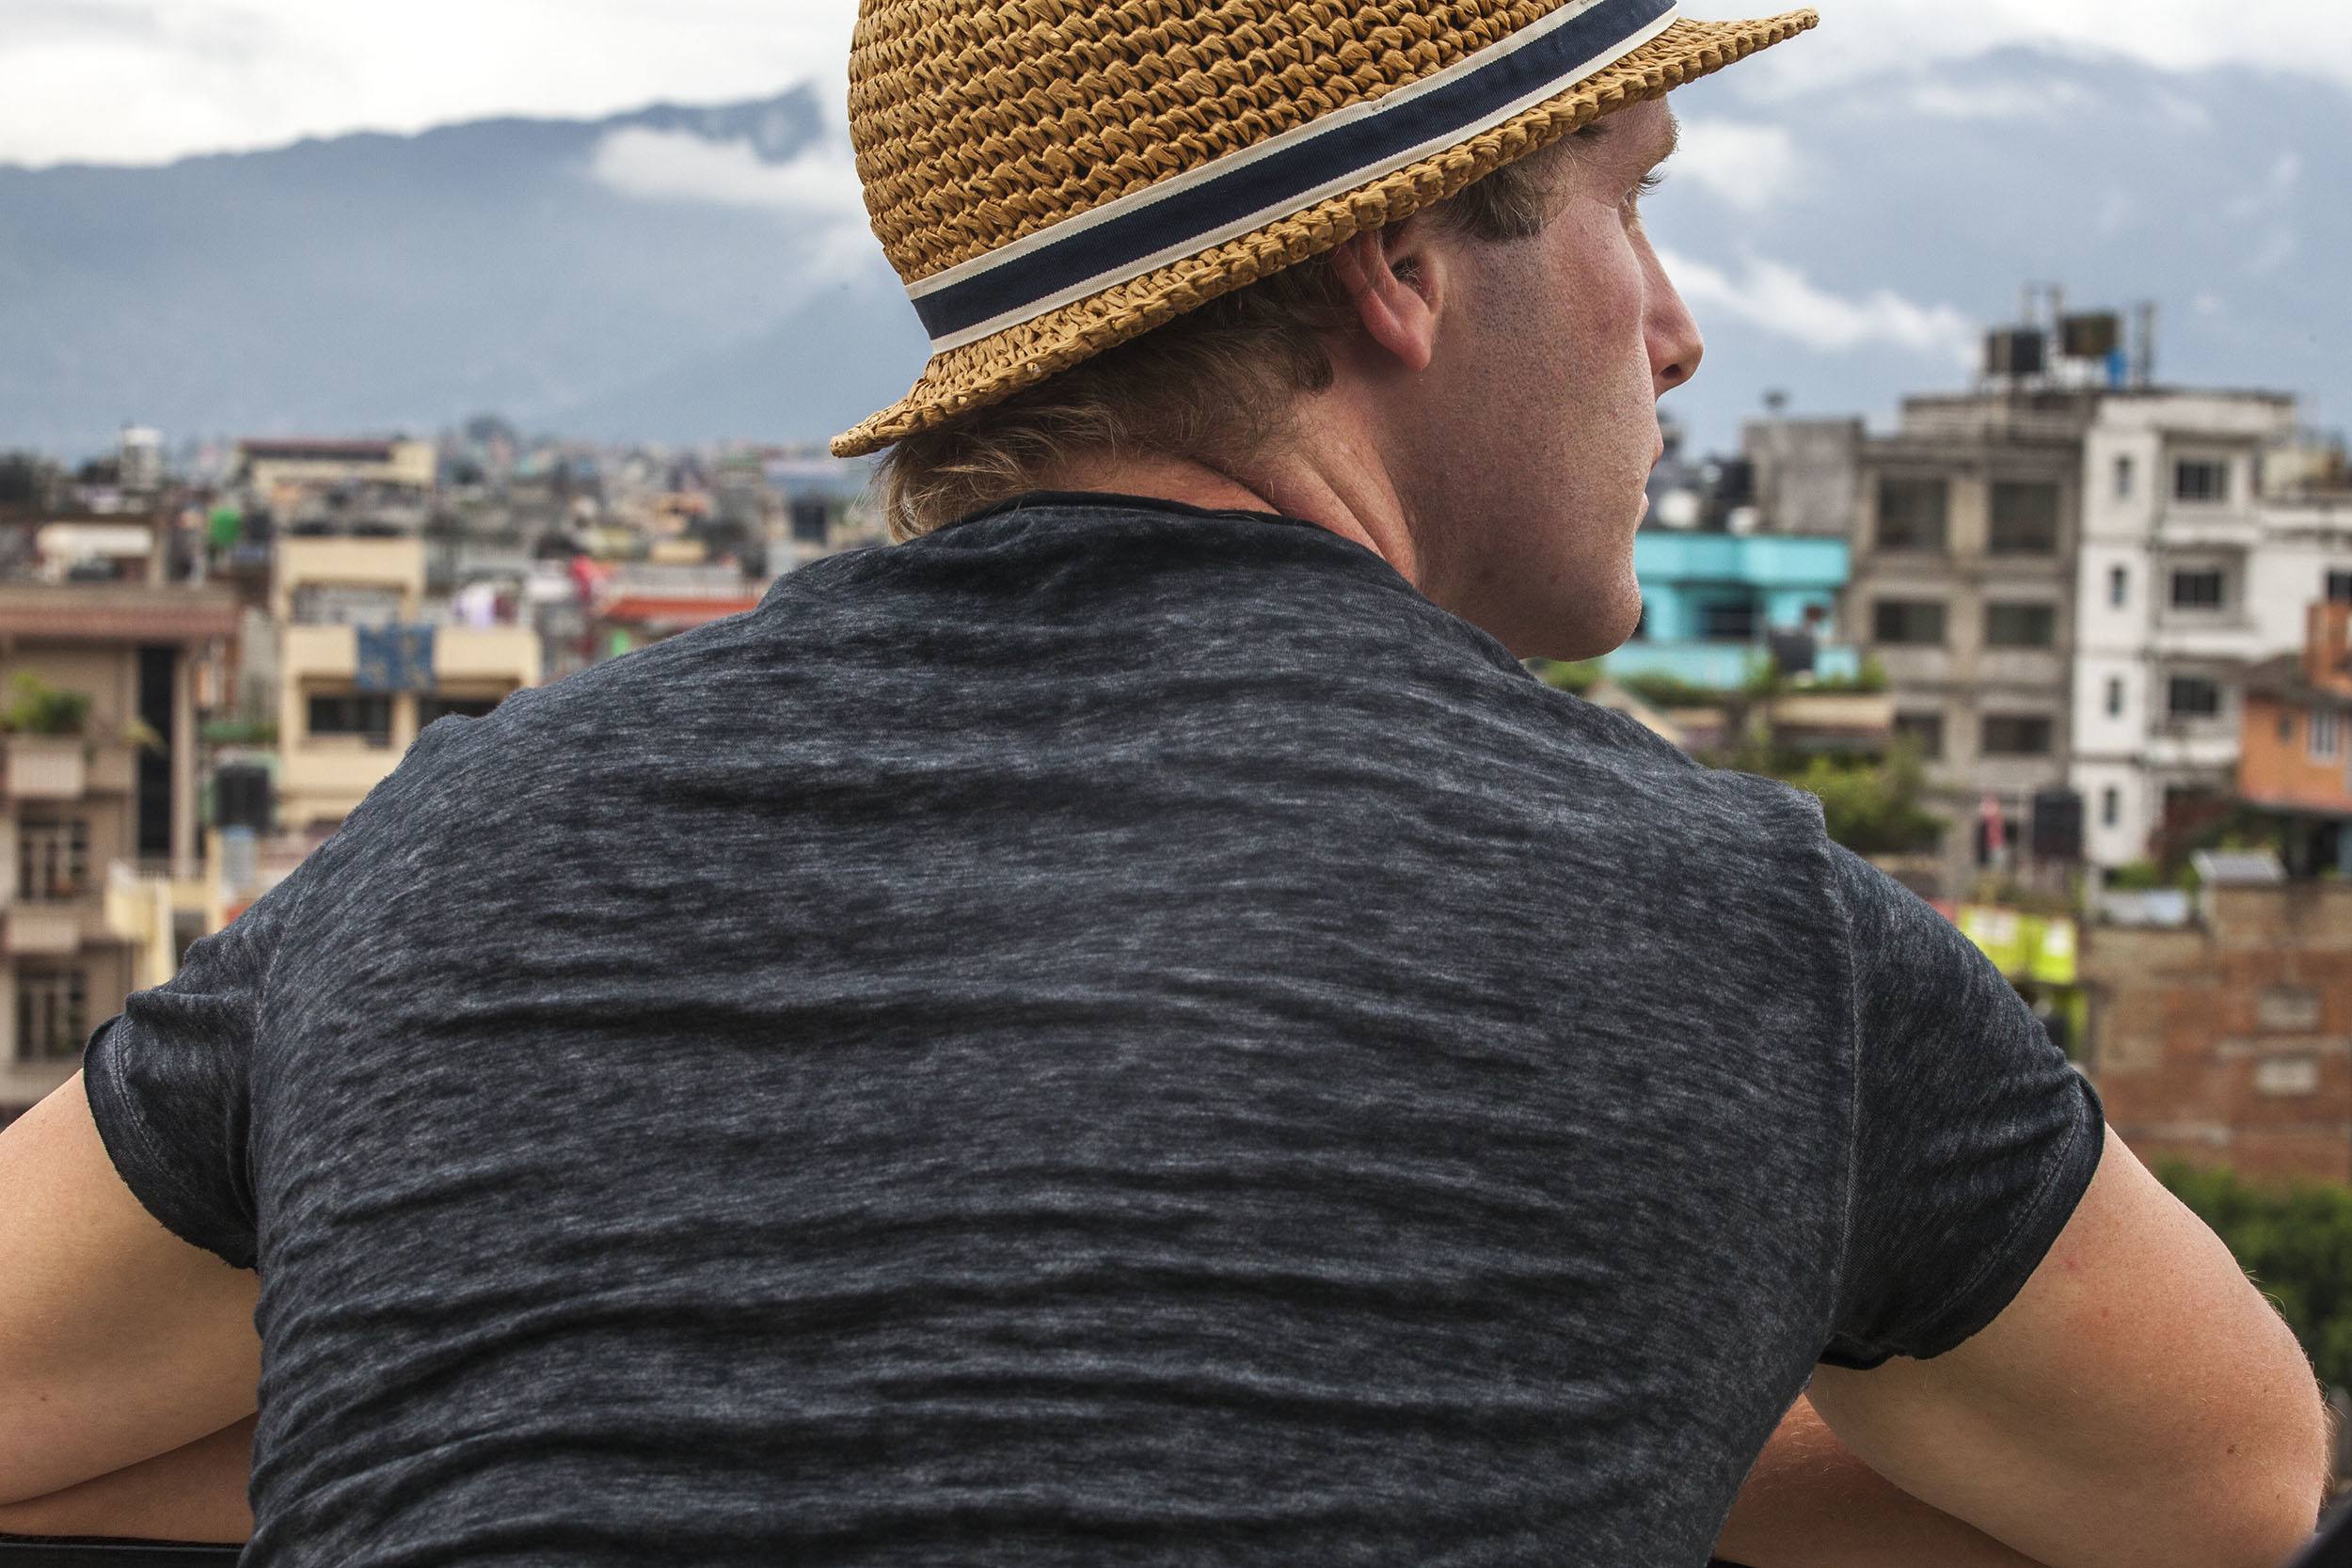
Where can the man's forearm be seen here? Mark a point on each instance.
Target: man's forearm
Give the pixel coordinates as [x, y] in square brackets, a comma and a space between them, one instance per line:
[192, 1494]
[1810, 1503]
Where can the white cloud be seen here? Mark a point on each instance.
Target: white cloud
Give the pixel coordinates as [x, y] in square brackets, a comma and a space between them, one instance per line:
[1748, 166]
[209, 75]
[224, 75]
[683, 166]
[2276, 249]
[1780, 299]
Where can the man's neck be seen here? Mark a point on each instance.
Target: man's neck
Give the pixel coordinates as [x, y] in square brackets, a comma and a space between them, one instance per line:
[1322, 480]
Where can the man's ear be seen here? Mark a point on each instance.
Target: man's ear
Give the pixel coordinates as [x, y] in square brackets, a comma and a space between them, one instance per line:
[1391, 280]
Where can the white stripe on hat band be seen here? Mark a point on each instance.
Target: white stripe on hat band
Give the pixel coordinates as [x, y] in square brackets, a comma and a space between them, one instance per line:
[1654, 17]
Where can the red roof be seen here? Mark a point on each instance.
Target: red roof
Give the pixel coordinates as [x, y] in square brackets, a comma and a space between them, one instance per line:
[670, 610]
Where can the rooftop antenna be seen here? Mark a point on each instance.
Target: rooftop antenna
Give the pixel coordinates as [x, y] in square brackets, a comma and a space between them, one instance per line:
[2145, 344]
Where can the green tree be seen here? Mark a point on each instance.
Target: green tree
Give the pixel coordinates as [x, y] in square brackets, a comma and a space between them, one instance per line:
[40, 708]
[1872, 808]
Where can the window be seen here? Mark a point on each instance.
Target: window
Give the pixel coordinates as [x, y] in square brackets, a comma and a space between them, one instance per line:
[52, 860]
[2119, 586]
[2115, 696]
[1923, 729]
[2327, 734]
[2340, 587]
[1915, 622]
[2110, 800]
[2021, 626]
[2201, 479]
[430, 708]
[2192, 697]
[1912, 513]
[2123, 479]
[1727, 620]
[51, 1016]
[2025, 518]
[2016, 736]
[2196, 590]
[369, 716]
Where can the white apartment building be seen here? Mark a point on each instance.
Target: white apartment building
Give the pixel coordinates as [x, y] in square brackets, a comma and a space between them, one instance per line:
[2190, 567]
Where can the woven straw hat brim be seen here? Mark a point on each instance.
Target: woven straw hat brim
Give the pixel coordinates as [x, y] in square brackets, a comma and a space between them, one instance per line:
[959, 380]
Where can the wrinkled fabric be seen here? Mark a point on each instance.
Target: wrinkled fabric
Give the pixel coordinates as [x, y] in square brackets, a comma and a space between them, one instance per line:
[1112, 1033]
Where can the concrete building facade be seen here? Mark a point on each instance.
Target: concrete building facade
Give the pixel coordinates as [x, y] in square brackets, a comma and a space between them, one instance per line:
[345, 715]
[1965, 525]
[101, 853]
[2193, 570]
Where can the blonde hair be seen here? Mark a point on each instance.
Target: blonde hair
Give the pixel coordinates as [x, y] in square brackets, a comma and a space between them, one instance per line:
[1219, 383]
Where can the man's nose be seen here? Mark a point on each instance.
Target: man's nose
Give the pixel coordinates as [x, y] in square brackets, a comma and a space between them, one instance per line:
[1674, 343]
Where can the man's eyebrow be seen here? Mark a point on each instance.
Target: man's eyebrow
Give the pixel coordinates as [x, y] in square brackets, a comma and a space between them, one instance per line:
[1674, 139]
[1598, 130]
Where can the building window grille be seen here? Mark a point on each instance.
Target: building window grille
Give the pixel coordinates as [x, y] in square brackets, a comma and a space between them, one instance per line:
[52, 860]
[370, 717]
[1916, 622]
[52, 1015]
[2193, 697]
[1913, 514]
[2118, 587]
[1727, 620]
[2202, 480]
[2025, 518]
[1924, 730]
[2123, 479]
[2021, 626]
[2110, 806]
[2327, 734]
[2115, 696]
[2199, 591]
[2017, 736]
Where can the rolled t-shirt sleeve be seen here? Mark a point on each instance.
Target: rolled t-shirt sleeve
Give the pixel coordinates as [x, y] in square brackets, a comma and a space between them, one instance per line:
[167, 1080]
[1974, 1137]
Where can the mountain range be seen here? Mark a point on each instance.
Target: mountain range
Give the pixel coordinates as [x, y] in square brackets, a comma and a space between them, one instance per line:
[682, 273]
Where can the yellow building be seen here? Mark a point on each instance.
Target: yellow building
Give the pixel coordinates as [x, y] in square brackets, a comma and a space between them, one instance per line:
[346, 712]
[101, 858]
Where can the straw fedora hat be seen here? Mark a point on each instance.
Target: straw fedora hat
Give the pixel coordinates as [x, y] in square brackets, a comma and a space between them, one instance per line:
[1054, 176]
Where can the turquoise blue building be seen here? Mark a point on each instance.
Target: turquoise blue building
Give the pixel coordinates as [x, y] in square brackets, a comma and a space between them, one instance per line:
[1709, 600]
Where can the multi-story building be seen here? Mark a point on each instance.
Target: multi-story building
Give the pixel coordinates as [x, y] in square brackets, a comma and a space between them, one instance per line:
[2295, 747]
[363, 667]
[2066, 582]
[1965, 525]
[101, 880]
[2193, 570]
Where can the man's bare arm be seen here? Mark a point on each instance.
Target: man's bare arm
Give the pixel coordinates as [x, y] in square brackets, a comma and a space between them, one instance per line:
[1810, 1503]
[118, 1341]
[2138, 1402]
[196, 1493]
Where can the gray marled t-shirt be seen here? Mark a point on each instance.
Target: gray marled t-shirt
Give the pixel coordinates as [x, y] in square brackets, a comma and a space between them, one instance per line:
[1110, 1034]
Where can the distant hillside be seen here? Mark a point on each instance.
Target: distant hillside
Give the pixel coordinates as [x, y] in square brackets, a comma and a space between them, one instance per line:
[689, 274]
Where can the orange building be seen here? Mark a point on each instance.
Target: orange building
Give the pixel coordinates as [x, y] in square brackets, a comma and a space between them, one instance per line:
[2295, 755]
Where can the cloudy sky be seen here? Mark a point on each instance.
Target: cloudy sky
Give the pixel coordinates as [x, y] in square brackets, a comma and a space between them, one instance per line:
[125, 81]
